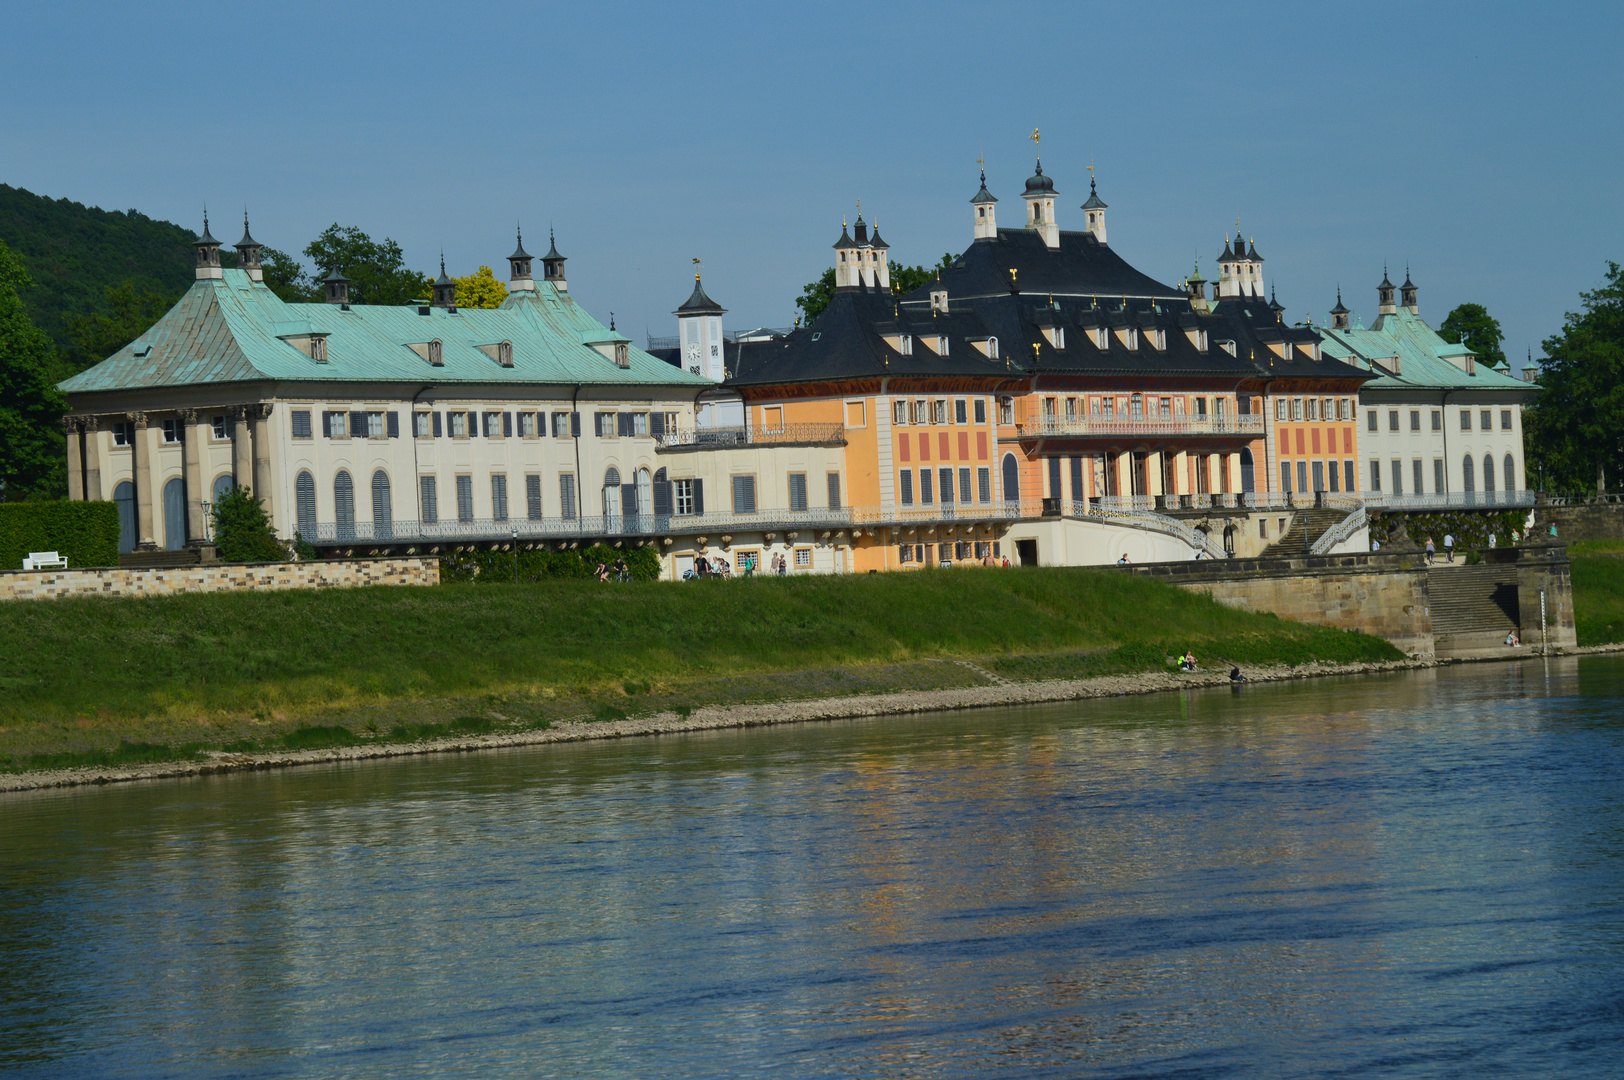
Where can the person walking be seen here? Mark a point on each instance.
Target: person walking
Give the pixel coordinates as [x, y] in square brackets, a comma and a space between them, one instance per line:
[1449, 547]
[1431, 551]
[621, 573]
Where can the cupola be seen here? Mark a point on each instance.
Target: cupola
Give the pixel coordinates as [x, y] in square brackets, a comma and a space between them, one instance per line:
[337, 288]
[1277, 307]
[1195, 286]
[552, 265]
[986, 218]
[847, 255]
[1384, 296]
[1407, 291]
[1339, 314]
[248, 252]
[882, 258]
[1094, 210]
[208, 254]
[699, 332]
[519, 279]
[445, 290]
[1039, 196]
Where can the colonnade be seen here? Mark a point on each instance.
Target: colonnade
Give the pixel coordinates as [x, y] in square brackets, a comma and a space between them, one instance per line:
[93, 477]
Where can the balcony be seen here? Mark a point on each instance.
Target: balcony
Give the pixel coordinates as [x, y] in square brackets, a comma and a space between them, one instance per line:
[1247, 426]
[1453, 500]
[720, 438]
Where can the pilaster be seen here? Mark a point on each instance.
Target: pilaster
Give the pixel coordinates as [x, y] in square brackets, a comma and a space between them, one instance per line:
[93, 459]
[242, 450]
[76, 465]
[197, 432]
[261, 419]
[142, 449]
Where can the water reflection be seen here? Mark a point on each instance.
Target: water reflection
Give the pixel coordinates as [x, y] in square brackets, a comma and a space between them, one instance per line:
[1416, 873]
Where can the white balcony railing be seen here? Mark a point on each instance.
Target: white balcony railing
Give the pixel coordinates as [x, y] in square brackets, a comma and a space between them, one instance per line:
[1453, 500]
[716, 438]
[1128, 427]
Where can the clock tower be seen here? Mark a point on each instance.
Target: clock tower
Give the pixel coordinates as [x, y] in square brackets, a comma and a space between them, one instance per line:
[699, 329]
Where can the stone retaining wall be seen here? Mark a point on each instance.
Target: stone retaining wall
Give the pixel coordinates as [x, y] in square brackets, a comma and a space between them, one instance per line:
[218, 577]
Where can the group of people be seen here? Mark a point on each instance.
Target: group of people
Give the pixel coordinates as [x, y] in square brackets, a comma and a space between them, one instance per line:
[705, 566]
[616, 571]
[1187, 663]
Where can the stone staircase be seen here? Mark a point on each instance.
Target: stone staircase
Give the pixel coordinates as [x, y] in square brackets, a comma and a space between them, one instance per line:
[1472, 608]
[1306, 527]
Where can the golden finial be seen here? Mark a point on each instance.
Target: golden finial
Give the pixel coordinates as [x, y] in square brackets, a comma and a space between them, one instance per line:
[696, 269]
[1091, 169]
[1037, 138]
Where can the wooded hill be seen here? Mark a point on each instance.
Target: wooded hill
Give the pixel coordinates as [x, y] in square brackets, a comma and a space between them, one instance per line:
[76, 253]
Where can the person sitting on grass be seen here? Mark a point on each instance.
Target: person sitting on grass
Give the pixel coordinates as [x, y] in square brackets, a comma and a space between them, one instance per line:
[1235, 675]
[1187, 661]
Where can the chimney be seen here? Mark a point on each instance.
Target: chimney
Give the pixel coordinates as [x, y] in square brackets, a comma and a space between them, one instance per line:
[208, 254]
[248, 252]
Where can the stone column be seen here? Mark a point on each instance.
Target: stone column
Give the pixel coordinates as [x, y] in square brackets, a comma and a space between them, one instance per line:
[76, 466]
[197, 430]
[262, 458]
[93, 459]
[141, 452]
[242, 451]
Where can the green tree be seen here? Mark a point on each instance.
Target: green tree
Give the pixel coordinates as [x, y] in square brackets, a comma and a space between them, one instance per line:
[128, 312]
[1576, 424]
[376, 269]
[33, 461]
[1472, 325]
[285, 277]
[242, 531]
[815, 297]
[480, 290]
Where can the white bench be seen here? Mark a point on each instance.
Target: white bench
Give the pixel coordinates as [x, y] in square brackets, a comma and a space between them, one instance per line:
[44, 560]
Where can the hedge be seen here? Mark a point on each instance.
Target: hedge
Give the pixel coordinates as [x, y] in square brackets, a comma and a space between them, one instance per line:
[496, 567]
[84, 533]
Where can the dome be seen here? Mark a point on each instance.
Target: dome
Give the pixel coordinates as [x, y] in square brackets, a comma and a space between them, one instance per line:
[1038, 184]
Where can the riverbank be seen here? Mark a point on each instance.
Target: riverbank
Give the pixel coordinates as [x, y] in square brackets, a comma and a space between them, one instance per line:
[109, 682]
[1001, 693]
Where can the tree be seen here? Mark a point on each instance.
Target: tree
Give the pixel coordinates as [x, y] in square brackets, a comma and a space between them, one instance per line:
[33, 460]
[376, 269]
[286, 278]
[1472, 325]
[242, 531]
[904, 279]
[1575, 426]
[480, 290]
[128, 312]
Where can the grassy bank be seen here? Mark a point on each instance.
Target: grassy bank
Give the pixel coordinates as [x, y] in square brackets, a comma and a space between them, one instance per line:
[179, 675]
[1598, 591]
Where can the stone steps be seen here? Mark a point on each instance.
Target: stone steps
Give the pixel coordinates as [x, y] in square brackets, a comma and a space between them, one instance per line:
[1473, 600]
[1306, 527]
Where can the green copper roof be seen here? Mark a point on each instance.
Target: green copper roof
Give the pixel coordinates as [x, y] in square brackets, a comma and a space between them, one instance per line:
[231, 330]
[1423, 356]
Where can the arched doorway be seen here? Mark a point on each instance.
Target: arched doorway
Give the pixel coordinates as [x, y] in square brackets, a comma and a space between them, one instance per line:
[1012, 479]
[1467, 483]
[304, 489]
[1488, 475]
[175, 514]
[1511, 476]
[611, 497]
[344, 506]
[124, 499]
[382, 515]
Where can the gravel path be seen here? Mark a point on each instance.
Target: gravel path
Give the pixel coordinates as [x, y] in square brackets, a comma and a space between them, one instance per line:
[730, 716]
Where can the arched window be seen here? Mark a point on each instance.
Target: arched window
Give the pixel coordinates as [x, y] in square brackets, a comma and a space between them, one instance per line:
[1248, 477]
[222, 484]
[611, 493]
[1466, 483]
[382, 517]
[1488, 475]
[175, 514]
[304, 490]
[1511, 476]
[1012, 479]
[344, 505]
[124, 499]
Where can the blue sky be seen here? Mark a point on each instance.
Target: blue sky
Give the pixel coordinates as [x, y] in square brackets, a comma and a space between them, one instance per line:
[1479, 142]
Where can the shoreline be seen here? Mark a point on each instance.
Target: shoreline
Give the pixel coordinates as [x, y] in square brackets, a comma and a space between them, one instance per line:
[716, 718]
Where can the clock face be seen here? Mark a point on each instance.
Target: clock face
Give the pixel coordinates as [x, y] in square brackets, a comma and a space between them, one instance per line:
[693, 350]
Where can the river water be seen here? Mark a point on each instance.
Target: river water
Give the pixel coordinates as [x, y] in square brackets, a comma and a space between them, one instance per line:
[1409, 875]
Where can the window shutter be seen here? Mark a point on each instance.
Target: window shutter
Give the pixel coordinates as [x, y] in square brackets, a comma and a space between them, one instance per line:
[394, 425]
[628, 499]
[656, 425]
[327, 425]
[473, 424]
[797, 491]
[575, 425]
[532, 495]
[699, 496]
[358, 425]
[437, 426]
[662, 495]
[507, 425]
[834, 491]
[624, 424]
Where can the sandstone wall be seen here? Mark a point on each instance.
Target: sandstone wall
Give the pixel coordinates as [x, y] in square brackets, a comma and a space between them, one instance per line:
[217, 577]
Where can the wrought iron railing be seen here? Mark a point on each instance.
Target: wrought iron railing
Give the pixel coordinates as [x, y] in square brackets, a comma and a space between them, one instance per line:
[1250, 425]
[1452, 500]
[722, 437]
[1197, 539]
[1340, 532]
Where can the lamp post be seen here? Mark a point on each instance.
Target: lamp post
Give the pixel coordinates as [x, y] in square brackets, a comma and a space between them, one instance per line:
[515, 554]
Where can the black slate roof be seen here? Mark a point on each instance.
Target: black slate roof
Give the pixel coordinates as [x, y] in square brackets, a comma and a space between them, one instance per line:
[1080, 266]
[698, 303]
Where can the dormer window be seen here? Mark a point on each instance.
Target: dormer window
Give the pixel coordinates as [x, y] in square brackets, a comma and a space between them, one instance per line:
[318, 349]
[623, 358]
[905, 346]
[1101, 338]
[504, 354]
[436, 353]
[1228, 347]
[1158, 340]
[992, 347]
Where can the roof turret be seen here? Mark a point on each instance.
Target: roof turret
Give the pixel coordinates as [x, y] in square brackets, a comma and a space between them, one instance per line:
[1252, 254]
[1038, 184]
[1227, 256]
[519, 252]
[208, 252]
[552, 263]
[248, 252]
[1274, 305]
[1339, 309]
[1094, 201]
[984, 196]
[845, 240]
[698, 303]
[875, 241]
[445, 289]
